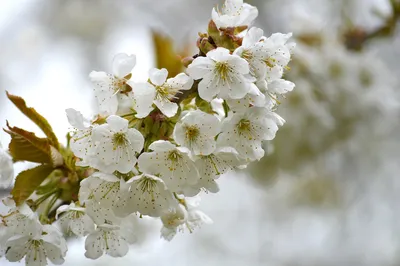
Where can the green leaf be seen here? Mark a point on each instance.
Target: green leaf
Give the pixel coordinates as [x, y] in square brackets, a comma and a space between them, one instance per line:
[26, 146]
[39, 120]
[27, 182]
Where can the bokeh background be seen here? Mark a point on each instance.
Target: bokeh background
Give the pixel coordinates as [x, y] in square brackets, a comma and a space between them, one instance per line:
[328, 193]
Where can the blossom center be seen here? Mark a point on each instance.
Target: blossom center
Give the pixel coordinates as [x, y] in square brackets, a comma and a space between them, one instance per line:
[174, 156]
[165, 92]
[222, 69]
[148, 185]
[243, 126]
[119, 139]
[118, 84]
[247, 55]
[192, 132]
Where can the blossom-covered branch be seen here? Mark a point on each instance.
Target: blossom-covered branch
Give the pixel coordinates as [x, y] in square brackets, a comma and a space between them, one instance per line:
[151, 148]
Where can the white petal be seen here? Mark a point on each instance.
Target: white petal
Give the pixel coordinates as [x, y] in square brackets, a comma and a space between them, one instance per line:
[123, 64]
[142, 99]
[75, 118]
[17, 248]
[236, 89]
[200, 67]
[117, 124]
[252, 37]
[6, 169]
[281, 86]
[107, 101]
[106, 177]
[208, 87]
[219, 54]
[158, 76]
[136, 139]
[181, 82]
[161, 145]
[148, 195]
[54, 254]
[101, 215]
[239, 64]
[36, 256]
[167, 233]
[61, 209]
[116, 245]
[87, 186]
[168, 108]
[94, 245]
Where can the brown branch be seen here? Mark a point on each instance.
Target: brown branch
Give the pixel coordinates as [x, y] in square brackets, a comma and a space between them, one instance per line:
[182, 95]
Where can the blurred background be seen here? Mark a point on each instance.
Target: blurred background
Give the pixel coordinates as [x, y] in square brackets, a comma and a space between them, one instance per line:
[328, 193]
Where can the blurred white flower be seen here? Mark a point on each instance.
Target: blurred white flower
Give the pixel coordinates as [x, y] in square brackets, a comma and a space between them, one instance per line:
[6, 169]
[172, 220]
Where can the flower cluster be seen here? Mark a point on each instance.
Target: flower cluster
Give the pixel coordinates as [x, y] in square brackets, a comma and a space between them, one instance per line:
[154, 146]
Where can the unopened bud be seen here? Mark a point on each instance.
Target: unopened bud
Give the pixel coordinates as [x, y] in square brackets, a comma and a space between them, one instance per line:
[205, 46]
[187, 61]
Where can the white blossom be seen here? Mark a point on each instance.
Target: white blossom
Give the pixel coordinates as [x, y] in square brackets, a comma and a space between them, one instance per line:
[234, 13]
[47, 243]
[245, 131]
[196, 218]
[101, 193]
[147, 195]
[6, 169]
[172, 164]
[107, 86]
[221, 161]
[100, 214]
[222, 74]
[187, 216]
[107, 190]
[116, 145]
[81, 142]
[196, 131]
[107, 238]
[278, 86]
[277, 55]
[253, 50]
[160, 91]
[172, 219]
[73, 219]
[254, 98]
[20, 220]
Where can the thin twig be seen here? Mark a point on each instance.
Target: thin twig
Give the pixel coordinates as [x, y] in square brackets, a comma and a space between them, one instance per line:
[182, 95]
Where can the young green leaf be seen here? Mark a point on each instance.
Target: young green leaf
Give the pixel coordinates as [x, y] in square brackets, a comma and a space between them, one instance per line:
[27, 182]
[26, 146]
[39, 120]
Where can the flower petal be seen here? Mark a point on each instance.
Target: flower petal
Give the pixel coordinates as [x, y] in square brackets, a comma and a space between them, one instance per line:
[123, 64]
[158, 76]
